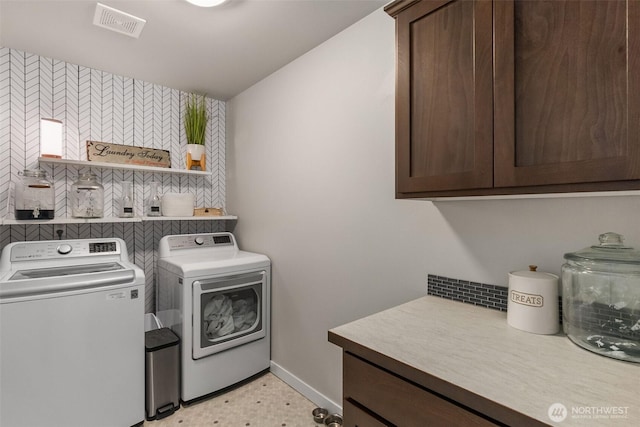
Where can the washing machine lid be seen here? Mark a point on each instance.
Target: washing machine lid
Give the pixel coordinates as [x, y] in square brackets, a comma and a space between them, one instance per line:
[18, 287]
[40, 273]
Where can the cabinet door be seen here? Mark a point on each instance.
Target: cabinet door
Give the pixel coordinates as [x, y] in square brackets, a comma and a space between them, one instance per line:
[444, 130]
[567, 92]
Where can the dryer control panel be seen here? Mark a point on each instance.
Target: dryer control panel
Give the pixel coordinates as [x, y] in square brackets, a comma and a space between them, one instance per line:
[190, 241]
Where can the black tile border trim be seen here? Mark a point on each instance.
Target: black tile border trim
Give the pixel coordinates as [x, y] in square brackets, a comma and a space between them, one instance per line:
[482, 294]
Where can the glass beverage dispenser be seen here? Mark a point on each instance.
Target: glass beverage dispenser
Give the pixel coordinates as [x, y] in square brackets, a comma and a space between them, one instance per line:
[87, 197]
[35, 196]
[601, 298]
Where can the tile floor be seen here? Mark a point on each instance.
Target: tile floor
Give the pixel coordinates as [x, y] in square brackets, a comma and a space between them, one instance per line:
[267, 401]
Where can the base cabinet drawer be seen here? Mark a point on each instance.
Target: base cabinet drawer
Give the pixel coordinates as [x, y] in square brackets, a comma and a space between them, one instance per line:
[355, 417]
[396, 400]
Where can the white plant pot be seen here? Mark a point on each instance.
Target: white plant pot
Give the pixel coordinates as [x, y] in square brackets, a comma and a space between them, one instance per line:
[196, 151]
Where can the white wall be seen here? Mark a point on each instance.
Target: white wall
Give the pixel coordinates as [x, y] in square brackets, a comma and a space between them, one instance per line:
[310, 172]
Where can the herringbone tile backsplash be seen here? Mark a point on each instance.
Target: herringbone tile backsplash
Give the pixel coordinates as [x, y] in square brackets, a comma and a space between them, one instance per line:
[96, 105]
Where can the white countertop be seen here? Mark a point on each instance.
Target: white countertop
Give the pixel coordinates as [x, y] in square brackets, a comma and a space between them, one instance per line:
[474, 348]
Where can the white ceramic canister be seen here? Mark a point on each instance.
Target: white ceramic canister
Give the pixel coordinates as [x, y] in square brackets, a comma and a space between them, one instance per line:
[533, 301]
[177, 204]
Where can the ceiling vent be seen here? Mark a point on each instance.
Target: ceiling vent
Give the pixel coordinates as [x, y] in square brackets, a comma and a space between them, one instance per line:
[118, 21]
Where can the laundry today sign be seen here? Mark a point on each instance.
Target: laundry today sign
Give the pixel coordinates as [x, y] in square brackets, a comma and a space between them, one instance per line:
[126, 154]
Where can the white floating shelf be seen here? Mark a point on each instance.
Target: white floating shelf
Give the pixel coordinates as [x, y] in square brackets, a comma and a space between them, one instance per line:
[102, 165]
[106, 220]
[11, 221]
[190, 218]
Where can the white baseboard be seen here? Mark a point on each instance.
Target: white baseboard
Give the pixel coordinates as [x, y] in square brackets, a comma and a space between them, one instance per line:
[305, 389]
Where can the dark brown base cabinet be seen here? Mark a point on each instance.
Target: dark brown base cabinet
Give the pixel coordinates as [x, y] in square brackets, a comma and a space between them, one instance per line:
[374, 397]
[516, 97]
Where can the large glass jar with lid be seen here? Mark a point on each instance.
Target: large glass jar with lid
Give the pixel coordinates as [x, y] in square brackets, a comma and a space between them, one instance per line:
[35, 196]
[601, 298]
[87, 197]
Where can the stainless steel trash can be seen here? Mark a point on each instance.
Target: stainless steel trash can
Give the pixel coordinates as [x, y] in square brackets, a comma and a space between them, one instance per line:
[162, 368]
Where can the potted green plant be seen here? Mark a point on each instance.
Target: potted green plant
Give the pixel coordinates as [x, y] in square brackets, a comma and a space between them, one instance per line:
[195, 126]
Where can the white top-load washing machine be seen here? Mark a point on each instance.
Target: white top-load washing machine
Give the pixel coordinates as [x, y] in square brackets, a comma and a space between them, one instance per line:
[71, 334]
[217, 299]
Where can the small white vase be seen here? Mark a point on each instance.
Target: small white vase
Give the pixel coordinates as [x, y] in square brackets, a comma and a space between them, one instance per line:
[196, 151]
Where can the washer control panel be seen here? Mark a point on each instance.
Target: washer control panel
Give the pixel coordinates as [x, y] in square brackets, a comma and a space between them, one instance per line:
[56, 249]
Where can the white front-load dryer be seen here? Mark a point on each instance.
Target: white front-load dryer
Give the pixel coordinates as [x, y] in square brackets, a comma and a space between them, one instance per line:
[217, 298]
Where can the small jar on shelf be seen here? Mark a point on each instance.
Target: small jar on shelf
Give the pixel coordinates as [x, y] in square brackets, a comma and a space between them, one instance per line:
[126, 201]
[153, 203]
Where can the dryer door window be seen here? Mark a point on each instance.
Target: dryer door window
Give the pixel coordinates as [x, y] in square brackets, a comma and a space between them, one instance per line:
[228, 311]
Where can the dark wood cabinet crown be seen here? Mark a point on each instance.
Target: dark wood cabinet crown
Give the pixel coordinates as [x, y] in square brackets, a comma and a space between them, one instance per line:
[513, 97]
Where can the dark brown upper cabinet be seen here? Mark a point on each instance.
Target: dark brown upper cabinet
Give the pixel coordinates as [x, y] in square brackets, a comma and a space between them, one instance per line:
[515, 97]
